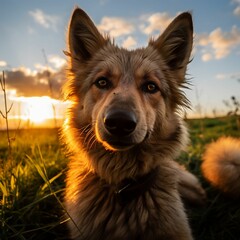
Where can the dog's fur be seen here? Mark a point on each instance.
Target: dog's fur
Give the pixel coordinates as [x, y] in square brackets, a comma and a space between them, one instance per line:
[123, 126]
[221, 165]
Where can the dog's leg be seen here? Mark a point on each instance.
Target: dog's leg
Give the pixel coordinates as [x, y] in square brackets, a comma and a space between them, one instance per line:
[189, 187]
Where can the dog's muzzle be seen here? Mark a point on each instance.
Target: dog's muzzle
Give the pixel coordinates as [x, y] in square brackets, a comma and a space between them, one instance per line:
[119, 126]
[120, 123]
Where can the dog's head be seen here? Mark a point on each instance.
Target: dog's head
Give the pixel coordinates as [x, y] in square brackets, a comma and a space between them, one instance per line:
[123, 98]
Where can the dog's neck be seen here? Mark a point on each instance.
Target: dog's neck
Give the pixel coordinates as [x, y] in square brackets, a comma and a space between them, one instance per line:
[130, 189]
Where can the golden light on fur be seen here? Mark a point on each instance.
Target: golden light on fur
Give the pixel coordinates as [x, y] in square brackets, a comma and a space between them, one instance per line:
[123, 130]
[221, 165]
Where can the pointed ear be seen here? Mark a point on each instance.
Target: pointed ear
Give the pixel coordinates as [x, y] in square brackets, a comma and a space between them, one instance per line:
[175, 44]
[84, 38]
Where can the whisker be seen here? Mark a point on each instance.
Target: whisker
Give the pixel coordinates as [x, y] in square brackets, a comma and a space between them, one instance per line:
[87, 133]
[90, 138]
[85, 128]
[93, 142]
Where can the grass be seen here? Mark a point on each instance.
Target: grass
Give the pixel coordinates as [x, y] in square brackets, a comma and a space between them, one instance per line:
[220, 217]
[32, 185]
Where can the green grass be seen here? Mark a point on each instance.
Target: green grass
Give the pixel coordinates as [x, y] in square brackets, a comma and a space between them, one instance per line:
[32, 185]
[219, 219]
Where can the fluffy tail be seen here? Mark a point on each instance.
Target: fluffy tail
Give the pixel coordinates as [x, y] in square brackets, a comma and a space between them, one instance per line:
[221, 165]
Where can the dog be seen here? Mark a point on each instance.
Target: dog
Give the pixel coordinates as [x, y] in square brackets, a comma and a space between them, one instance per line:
[221, 165]
[123, 130]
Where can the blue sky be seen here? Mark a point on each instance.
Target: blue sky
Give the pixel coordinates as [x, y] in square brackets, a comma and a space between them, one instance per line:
[33, 35]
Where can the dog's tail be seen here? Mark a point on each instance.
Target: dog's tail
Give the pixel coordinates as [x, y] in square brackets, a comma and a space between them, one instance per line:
[221, 165]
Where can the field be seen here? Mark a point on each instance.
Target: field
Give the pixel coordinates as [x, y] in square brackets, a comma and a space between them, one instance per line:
[32, 185]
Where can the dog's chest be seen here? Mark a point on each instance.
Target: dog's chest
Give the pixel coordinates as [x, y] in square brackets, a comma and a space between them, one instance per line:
[103, 215]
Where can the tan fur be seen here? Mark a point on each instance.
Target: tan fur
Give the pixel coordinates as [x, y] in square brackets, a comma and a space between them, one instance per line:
[97, 164]
[189, 187]
[221, 165]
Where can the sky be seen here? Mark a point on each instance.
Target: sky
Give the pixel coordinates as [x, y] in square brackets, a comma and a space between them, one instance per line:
[33, 37]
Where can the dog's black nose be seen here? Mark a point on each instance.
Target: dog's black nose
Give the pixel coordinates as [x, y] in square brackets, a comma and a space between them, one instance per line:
[120, 122]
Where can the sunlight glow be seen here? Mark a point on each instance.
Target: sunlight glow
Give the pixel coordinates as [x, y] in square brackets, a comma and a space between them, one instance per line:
[37, 109]
[40, 109]
[28, 112]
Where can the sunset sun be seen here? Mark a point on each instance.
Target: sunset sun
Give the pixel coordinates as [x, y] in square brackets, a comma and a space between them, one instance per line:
[40, 110]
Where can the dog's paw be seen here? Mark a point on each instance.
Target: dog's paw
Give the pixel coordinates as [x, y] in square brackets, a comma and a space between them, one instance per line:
[189, 187]
[191, 191]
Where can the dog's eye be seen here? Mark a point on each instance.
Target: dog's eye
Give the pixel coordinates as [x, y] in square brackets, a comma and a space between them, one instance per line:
[150, 87]
[103, 83]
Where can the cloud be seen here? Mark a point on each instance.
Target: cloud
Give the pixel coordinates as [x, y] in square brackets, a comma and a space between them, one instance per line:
[129, 42]
[155, 22]
[42, 81]
[224, 76]
[40, 67]
[116, 27]
[122, 29]
[219, 44]
[207, 57]
[3, 63]
[45, 20]
[56, 61]
[236, 11]
[32, 83]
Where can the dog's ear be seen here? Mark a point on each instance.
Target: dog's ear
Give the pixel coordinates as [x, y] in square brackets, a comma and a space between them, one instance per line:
[175, 44]
[84, 39]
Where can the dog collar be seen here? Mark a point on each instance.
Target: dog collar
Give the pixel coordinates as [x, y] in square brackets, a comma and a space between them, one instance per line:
[130, 189]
